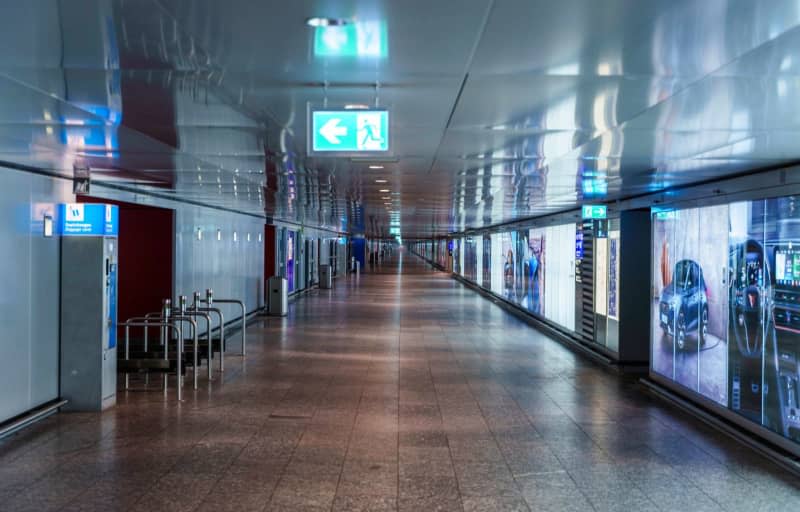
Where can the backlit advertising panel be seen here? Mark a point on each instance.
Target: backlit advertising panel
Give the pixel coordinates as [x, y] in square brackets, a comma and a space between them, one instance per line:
[487, 262]
[726, 323]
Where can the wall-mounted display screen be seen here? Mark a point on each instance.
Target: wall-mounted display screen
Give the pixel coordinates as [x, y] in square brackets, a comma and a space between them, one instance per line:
[688, 309]
[477, 269]
[534, 273]
[613, 275]
[459, 256]
[470, 270]
[558, 261]
[498, 262]
[726, 323]
[290, 247]
[487, 262]
[534, 269]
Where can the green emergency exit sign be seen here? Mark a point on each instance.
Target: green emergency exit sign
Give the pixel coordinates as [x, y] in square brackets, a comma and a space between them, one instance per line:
[597, 211]
[350, 131]
[360, 39]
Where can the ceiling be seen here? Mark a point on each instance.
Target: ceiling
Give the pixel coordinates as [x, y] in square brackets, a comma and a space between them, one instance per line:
[500, 110]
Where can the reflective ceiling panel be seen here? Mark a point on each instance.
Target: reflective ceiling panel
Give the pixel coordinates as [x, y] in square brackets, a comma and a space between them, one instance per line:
[500, 109]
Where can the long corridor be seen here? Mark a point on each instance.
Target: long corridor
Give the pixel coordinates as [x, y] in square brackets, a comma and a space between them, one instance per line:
[398, 390]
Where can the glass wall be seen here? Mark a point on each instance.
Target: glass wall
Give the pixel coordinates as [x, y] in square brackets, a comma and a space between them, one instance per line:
[726, 308]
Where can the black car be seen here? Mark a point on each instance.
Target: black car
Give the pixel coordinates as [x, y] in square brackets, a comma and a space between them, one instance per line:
[683, 307]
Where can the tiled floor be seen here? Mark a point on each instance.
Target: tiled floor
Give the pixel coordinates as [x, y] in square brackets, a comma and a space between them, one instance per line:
[395, 391]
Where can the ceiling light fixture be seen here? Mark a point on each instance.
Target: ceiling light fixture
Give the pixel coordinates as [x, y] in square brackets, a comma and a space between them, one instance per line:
[376, 167]
[318, 21]
[356, 106]
[380, 181]
[384, 190]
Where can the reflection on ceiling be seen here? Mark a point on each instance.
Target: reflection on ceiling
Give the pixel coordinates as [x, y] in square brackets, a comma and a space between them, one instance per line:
[500, 110]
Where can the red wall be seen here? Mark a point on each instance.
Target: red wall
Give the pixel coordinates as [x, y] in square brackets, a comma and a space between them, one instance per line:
[146, 247]
[269, 257]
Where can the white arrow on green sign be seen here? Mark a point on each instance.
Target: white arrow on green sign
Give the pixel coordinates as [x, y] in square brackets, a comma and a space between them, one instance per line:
[352, 131]
[594, 211]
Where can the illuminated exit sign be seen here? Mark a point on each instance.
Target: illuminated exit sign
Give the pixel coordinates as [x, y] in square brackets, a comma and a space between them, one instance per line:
[360, 39]
[598, 211]
[349, 131]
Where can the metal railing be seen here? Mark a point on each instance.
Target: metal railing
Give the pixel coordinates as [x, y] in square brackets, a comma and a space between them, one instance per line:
[171, 321]
[196, 307]
[209, 300]
[166, 327]
[202, 314]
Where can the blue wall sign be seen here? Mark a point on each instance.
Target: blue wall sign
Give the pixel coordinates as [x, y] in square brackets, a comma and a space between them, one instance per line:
[112, 305]
[78, 219]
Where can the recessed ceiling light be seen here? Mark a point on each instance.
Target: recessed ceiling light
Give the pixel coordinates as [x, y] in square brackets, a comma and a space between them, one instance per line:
[384, 190]
[380, 181]
[317, 21]
[376, 167]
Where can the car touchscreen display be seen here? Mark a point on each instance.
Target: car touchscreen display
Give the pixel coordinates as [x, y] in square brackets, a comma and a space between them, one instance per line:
[787, 267]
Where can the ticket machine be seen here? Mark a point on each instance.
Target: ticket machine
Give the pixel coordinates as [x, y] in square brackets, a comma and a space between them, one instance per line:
[88, 305]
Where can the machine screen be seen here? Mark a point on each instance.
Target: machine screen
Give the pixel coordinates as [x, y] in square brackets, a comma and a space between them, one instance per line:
[787, 267]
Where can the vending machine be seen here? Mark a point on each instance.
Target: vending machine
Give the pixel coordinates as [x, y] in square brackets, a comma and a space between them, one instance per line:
[88, 305]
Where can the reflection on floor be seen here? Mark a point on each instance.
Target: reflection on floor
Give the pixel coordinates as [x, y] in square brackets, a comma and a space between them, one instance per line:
[395, 391]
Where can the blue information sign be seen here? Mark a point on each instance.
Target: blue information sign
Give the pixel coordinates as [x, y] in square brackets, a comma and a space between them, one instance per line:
[77, 219]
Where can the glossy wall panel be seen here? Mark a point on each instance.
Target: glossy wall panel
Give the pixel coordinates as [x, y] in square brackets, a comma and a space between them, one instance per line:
[29, 292]
[233, 268]
[232, 265]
